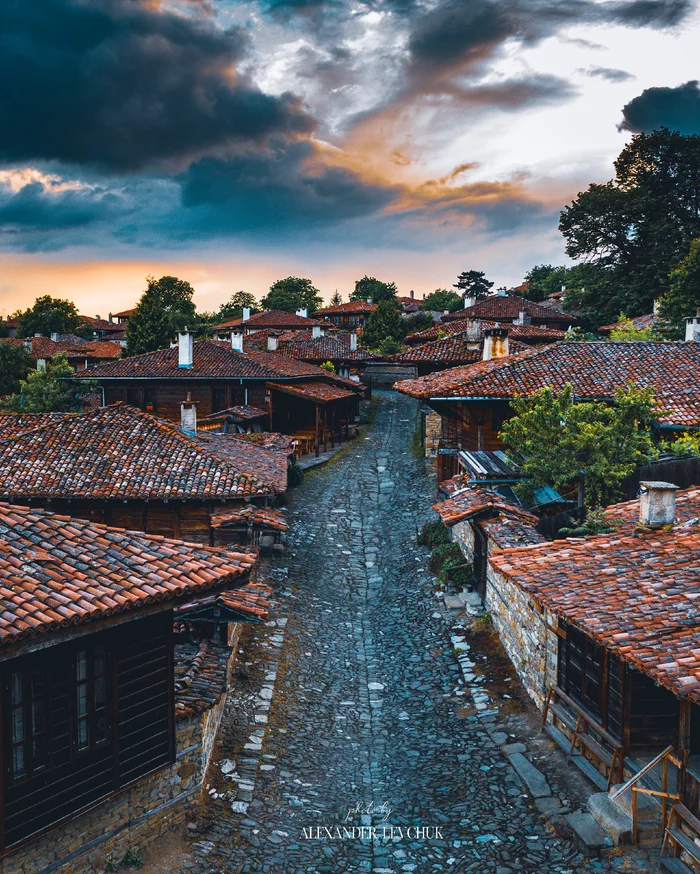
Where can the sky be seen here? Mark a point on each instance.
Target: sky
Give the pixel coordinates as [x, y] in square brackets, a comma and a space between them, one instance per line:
[234, 143]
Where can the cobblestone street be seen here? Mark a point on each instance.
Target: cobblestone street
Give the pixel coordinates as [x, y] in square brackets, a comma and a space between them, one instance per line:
[353, 694]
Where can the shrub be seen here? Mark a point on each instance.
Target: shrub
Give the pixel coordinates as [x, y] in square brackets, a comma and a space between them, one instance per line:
[448, 554]
[433, 534]
[295, 476]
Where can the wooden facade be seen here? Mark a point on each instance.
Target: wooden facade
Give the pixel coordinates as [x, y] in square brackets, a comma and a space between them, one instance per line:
[163, 398]
[83, 720]
[472, 426]
[316, 422]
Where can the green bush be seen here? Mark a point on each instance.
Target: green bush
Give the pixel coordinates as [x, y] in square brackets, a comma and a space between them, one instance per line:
[446, 554]
[295, 476]
[434, 534]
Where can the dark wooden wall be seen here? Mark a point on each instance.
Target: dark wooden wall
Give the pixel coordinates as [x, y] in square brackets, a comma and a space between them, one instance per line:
[164, 398]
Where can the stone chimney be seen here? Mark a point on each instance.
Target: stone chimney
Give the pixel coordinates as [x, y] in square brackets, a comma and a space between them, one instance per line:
[188, 416]
[524, 318]
[316, 332]
[271, 343]
[369, 301]
[111, 318]
[303, 312]
[692, 328]
[353, 341]
[236, 341]
[412, 294]
[246, 314]
[469, 301]
[495, 343]
[657, 504]
[185, 348]
[472, 334]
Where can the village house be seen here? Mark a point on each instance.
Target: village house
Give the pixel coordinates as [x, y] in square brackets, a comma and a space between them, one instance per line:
[317, 347]
[347, 316]
[115, 657]
[276, 320]
[464, 348]
[123, 467]
[504, 307]
[474, 400]
[530, 335]
[81, 354]
[104, 329]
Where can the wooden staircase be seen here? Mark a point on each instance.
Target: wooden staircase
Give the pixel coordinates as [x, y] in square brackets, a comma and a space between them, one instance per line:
[680, 851]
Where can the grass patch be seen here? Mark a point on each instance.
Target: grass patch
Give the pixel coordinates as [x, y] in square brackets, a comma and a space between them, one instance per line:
[417, 448]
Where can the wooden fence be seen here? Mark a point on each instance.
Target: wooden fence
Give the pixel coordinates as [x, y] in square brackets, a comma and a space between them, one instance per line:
[683, 472]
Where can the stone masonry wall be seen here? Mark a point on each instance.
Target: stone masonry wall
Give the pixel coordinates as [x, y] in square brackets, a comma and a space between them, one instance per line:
[433, 433]
[523, 628]
[463, 534]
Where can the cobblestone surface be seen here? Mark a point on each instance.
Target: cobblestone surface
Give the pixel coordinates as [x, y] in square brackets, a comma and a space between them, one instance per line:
[354, 695]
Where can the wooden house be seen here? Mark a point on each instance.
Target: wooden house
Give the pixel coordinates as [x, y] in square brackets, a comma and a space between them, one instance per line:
[473, 329]
[81, 354]
[504, 307]
[347, 316]
[100, 750]
[276, 320]
[317, 347]
[126, 468]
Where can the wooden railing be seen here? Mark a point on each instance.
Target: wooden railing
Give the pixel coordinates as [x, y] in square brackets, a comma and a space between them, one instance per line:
[664, 758]
[681, 836]
[587, 736]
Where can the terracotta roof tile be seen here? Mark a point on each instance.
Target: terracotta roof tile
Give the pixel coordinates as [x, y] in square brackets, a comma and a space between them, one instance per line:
[241, 413]
[263, 516]
[270, 440]
[314, 391]
[471, 500]
[352, 306]
[507, 307]
[638, 322]
[526, 333]
[330, 347]
[455, 350]
[260, 463]
[201, 675]
[95, 571]
[269, 319]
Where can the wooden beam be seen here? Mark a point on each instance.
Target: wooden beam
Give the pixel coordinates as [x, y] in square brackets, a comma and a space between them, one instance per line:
[316, 441]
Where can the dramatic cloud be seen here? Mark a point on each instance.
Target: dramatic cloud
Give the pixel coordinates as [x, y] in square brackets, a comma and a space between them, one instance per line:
[608, 73]
[675, 108]
[123, 83]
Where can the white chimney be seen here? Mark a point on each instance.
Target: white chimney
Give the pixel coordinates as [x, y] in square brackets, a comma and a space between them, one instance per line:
[369, 301]
[655, 306]
[236, 341]
[469, 301]
[316, 332]
[54, 336]
[38, 335]
[28, 347]
[246, 314]
[41, 364]
[185, 348]
[271, 343]
[657, 504]
[303, 312]
[692, 328]
[563, 288]
[353, 341]
[502, 292]
[523, 318]
[188, 416]
[495, 343]
[473, 331]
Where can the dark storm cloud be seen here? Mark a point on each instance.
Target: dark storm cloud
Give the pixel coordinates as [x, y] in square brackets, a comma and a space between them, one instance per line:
[117, 83]
[608, 73]
[675, 108]
[513, 93]
[280, 186]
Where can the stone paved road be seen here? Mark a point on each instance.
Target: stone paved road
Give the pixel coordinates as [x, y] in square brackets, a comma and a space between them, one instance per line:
[365, 706]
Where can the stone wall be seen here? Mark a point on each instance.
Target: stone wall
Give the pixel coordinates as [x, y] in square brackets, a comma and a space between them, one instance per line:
[433, 433]
[526, 632]
[384, 375]
[463, 534]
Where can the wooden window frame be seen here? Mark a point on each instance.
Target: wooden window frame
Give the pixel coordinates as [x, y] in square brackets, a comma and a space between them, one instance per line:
[90, 717]
[26, 672]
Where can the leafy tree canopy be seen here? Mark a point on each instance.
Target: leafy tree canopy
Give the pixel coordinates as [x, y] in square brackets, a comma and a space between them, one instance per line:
[233, 308]
[390, 346]
[625, 332]
[15, 364]
[683, 296]
[292, 294]
[416, 322]
[441, 299]
[48, 314]
[336, 299]
[543, 280]
[561, 439]
[371, 288]
[473, 283]
[50, 390]
[383, 323]
[637, 228]
[165, 307]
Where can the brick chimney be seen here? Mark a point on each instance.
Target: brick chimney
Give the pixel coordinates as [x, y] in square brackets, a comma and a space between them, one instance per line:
[303, 312]
[188, 416]
[316, 332]
[692, 328]
[236, 341]
[495, 343]
[657, 504]
[185, 348]
[469, 301]
[271, 343]
[246, 314]
[353, 341]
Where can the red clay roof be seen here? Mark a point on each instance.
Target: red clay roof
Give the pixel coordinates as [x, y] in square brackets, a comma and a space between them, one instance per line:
[472, 500]
[119, 453]
[74, 347]
[257, 462]
[242, 413]
[124, 314]
[269, 319]
[635, 594]
[595, 370]
[624, 516]
[333, 347]
[507, 307]
[526, 333]
[270, 440]
[201, 676]
[352, 306]
[56, 571]
[638, 322]
[314, 391]
[454, 350]
[263, 516]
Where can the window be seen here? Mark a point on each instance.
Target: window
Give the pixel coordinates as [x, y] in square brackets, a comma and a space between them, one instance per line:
[90, 680]
[29, 747]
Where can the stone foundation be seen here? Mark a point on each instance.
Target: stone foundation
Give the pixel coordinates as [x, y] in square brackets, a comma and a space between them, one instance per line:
[433, 433]
[463, 535]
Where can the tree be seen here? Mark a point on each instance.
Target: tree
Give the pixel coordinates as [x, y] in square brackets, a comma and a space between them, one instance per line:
[683, 296]
[234, 306]
[543, 280]
[561, 440]
[48, 314]
[637, 228]
[336, 299]
[292, 294]
[625, 332]
[441, 299]
[383, 322]
[371, 288]
[473, 283]
[420, 321]
[165, 308]
[390, 346]
[50, 390]
[15, 364]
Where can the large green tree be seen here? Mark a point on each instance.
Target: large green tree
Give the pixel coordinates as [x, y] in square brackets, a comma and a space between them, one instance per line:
[14, 366]
[636, 228]
[683, 296]
[48, 314]
[292, 294]
[371, 288]
[473, 283]
[441, 299]
[543, 280]
[560, 439]
[383, 323]
[165, 307]
[233, 308]
[50, 390]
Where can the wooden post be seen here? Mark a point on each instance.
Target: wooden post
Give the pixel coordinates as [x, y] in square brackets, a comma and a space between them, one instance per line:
[269, 405]
[316, 442]
[332, 427]
[683, 746]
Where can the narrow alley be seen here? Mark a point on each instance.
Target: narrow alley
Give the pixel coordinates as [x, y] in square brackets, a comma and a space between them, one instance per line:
[353, 695]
